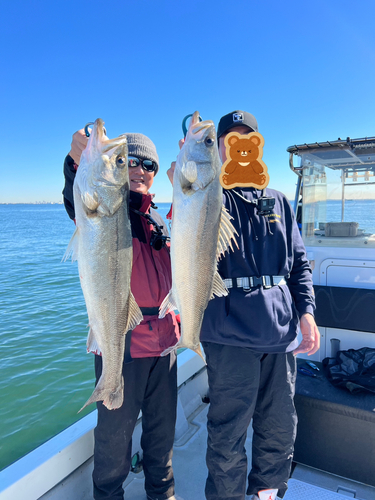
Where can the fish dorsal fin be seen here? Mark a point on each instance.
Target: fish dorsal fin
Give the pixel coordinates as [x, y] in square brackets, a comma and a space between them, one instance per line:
[135, 315]
[168, 304]
[226, 234]
[189, 171]
[72, 248]
[218, 287]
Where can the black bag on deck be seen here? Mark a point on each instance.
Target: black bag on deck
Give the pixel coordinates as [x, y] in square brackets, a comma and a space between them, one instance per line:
[353, 369]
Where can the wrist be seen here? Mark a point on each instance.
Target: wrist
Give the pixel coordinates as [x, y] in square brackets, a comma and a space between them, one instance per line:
[72, 162]
[74, 157]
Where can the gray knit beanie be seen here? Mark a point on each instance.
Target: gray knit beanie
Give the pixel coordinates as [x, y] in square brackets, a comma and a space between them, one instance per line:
[142, 147]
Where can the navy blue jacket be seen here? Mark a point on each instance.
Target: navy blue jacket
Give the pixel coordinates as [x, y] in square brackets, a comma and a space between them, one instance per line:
[265, 320]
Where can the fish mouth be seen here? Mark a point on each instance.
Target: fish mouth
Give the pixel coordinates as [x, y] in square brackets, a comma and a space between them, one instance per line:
[197, 126]
[113, 144]
[110, 144]
[98, 135]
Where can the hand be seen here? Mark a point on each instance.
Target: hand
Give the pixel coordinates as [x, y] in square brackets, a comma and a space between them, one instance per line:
[79, 143]
[310, 335]
[170, 171]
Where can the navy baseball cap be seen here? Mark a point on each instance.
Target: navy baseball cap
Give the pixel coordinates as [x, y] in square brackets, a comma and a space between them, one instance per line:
[235, 119]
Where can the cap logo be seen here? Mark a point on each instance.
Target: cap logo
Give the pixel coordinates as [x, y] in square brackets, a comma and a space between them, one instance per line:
[238, 117]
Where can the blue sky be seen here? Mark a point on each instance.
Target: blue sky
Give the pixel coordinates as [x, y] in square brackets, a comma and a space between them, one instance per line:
[306, 70]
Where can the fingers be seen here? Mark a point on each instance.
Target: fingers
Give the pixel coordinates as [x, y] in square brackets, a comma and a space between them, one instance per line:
[170, 171]
[181, 142]
[79, 143]
[316, 346]
[304, 347]
[310, 336]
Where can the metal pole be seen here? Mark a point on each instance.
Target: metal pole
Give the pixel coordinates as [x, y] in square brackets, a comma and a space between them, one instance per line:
[297, 171]
[343, 195]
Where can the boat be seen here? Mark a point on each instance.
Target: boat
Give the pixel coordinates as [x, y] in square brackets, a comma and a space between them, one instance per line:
[335, 446]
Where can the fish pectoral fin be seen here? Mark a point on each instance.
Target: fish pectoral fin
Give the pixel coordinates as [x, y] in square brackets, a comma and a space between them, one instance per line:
[90, 200]
[135, 315]
[218, 287]
[189, 171]
[226, 234]
[110, 209]
[179, 344]
[92, 344]
[168, 304]
[169, 350]
[72, 248]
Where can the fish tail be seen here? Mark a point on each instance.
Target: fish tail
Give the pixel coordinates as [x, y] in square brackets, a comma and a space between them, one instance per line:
[112, 399]
[198, 350]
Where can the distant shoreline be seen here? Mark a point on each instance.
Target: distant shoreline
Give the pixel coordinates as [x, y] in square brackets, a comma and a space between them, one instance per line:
[32, 203]
[49, 202]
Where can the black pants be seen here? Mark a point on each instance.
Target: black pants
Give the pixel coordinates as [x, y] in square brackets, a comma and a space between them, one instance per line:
[245, 385]
[150, 385]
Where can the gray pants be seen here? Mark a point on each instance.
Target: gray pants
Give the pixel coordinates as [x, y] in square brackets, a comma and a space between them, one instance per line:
[150, 385]
[245, 385]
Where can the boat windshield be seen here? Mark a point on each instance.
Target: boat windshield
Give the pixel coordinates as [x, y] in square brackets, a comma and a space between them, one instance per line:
[338, 195]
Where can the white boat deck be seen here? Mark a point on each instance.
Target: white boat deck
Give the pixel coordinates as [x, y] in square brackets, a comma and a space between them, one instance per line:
[190, 474]
[61, 468]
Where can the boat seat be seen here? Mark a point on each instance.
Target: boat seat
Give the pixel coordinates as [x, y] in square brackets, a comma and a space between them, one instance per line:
[336, 429]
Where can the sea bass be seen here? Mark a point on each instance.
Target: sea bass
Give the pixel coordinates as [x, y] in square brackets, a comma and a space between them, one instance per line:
[102, 244]
[201, 232]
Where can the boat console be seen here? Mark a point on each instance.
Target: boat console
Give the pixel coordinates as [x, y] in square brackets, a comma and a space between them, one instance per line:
[335, 208]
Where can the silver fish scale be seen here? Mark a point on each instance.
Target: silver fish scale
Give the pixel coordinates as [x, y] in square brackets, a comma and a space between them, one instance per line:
[194, 239]
[104, 252]
[197, 223]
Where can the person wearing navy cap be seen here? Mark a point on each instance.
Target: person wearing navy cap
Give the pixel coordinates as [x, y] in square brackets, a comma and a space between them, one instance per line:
[250, 340]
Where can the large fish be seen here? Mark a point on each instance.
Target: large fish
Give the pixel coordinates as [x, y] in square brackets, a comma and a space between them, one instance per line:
[102, 244]
[201, 232]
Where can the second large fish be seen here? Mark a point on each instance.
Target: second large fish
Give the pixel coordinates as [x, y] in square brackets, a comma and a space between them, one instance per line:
[102, 244]
[201, 231]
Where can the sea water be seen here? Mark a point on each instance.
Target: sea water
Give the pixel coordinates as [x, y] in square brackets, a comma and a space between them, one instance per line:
[45, 373]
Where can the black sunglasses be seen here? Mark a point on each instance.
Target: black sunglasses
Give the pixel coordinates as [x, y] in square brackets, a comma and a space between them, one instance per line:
[148, 165]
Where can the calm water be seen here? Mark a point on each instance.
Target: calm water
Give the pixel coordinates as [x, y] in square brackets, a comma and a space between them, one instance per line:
[362, 211]
[45, 374]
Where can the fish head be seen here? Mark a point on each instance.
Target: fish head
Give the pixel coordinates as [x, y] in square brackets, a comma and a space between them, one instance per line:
[198, 163]
[103, 174]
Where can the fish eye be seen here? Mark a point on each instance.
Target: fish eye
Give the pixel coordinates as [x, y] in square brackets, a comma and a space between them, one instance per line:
[120, 161]
[209, 142]
[238, 151]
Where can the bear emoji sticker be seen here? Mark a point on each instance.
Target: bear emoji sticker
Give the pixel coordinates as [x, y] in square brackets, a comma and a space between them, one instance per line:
[244, 166]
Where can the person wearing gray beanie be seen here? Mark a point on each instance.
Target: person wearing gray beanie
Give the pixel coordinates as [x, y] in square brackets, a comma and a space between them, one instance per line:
[150, 380]
[142, 147]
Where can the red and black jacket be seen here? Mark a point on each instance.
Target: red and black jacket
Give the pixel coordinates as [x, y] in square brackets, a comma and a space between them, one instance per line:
[151, 277]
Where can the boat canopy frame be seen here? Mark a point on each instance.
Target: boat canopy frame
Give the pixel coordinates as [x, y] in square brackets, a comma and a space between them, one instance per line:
[357, 155]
